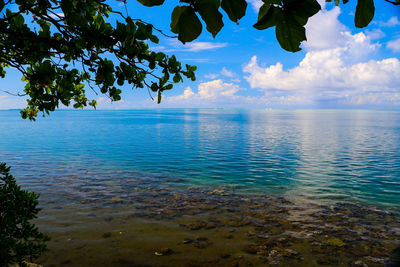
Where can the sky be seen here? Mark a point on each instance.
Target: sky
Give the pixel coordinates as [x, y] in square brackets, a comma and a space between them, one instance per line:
[339, 65]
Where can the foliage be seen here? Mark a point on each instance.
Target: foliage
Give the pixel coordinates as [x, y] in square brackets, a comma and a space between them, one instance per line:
[61, 46]
[19, 239]
[287, 16]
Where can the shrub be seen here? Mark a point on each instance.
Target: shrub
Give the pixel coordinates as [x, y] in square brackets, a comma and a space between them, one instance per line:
[20, 240]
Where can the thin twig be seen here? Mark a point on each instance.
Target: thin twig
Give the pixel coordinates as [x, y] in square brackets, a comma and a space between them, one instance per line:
[17, 94]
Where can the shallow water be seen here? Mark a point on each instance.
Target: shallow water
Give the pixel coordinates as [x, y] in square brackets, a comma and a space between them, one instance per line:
[105, 172]
[158, 227]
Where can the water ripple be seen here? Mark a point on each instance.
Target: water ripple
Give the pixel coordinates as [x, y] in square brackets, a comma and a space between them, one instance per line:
[315, 155]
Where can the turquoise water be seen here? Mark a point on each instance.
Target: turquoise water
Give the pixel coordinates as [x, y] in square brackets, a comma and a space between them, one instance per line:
[309, 155]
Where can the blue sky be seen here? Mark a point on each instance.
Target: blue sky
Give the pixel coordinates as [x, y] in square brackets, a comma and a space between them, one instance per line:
[339, 66]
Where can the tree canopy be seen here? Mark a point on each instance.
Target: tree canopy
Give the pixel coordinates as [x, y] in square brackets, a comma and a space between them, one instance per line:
[61, 47]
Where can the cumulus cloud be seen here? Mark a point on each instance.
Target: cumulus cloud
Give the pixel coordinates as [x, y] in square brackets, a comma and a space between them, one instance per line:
[216, 88]
[325, 71]
[335, 68]
[207, 92]
[188, 93]
[324, 30]
[394, 45]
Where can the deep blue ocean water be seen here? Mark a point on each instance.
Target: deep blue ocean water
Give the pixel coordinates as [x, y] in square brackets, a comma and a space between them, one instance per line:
[310, 155]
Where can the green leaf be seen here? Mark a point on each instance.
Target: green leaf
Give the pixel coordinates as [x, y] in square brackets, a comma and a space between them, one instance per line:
[154, 87]
[151, 2]
[185, 23]
[154, 39]
[168, 87]
[159, 97]
[364, 13]
[235, 9]
[208, 10]
[177, 78]
[272, 2]
[19, 21]
[290, 34]
[268, 17]
[175, 16]
[301, 10]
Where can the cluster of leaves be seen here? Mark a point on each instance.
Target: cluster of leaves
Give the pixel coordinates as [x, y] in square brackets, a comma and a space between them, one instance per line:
[61, 46]
[287, 16]
[19, 239]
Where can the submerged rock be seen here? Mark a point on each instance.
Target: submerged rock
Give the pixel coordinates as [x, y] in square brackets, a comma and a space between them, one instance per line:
[290, 253]
[163, 252]
[375, 260]
[251, 249]
[201, 242]
[187, 241]
[395, 257]
[360, 263]
[336, 242]
[274, 258]
[106, 235]
[326, 260]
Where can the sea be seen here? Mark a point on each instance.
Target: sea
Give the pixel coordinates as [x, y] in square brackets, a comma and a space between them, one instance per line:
[77, 160]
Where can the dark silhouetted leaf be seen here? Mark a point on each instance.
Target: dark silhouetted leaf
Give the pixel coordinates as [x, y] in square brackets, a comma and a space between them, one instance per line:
[151, 2]
[302, 10]
[185, 23]
[290, 34]
[364, 13]
[268, 17]
[159, 97]
[208, 10]
[235, 9]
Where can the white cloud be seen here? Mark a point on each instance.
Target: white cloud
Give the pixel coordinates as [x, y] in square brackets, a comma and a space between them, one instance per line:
[211, 76]
[216, 88]
[227, 72]
[324, 30]
[393, 21]
[59, 15]
[323, 74]
[375, 34]
[188, 93]
[201, 46]
[173, 45]
[207, 92]
[336, 67]
[224, 72]
[256, 4]
[394, 45]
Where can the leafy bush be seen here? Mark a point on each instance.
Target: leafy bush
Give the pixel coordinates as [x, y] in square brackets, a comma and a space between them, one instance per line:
[19, 239]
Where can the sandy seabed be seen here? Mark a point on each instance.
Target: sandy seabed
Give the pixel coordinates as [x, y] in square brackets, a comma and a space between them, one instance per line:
[195, 227]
